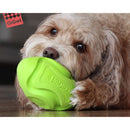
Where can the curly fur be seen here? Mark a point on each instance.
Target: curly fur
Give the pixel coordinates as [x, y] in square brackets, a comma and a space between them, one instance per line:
[102, 72]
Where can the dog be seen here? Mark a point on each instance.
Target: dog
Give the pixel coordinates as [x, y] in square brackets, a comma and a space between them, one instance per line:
[95, 48]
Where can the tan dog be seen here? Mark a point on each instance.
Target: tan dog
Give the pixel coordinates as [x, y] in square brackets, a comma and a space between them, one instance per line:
[95, 48]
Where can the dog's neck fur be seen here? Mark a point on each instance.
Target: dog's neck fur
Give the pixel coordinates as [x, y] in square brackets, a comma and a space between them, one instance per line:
[99, 67]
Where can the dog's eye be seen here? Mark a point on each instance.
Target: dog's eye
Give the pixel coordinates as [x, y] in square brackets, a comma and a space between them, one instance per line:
[80, 47]
[53, 31]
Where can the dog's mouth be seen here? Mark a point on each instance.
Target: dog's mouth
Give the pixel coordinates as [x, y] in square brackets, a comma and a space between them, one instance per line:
[99, 67]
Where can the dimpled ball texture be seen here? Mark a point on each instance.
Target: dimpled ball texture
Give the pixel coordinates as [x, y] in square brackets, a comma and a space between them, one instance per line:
[46, 83]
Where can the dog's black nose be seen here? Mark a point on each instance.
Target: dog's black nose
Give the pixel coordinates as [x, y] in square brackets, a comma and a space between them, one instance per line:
[50, 53]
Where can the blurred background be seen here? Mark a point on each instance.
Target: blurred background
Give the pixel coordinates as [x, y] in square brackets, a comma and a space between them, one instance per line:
[12, 40]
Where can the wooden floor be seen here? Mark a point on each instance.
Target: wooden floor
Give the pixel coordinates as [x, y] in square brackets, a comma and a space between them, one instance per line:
[9, 107]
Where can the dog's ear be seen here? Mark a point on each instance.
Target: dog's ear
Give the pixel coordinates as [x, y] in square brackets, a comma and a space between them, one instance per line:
[114, 44]
[111, 73]
[114, 59]
[111, 39]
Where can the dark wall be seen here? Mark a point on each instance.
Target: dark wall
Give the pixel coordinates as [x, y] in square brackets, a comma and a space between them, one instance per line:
[12, 40]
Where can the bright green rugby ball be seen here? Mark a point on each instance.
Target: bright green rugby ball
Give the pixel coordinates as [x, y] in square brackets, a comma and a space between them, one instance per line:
[46, 83]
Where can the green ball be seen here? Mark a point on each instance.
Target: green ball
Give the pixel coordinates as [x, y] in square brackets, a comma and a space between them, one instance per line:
[46, 83]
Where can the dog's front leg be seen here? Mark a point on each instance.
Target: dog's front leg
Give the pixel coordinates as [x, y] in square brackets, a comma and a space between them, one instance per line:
[89, 94]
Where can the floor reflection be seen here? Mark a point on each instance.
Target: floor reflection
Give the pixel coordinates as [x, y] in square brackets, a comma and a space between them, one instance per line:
[47, 113]
[104, 113]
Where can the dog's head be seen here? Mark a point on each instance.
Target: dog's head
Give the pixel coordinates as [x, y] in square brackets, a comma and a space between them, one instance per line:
[77, 42]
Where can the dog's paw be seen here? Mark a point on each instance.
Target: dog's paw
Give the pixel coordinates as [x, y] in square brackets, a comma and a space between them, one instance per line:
[75, 98]
[83, 95]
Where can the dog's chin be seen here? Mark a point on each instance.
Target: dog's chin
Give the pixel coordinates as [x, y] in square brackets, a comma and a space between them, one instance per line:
[65, 66]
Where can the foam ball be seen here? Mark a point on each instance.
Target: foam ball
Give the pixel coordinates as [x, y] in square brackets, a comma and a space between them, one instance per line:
[46, 83]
